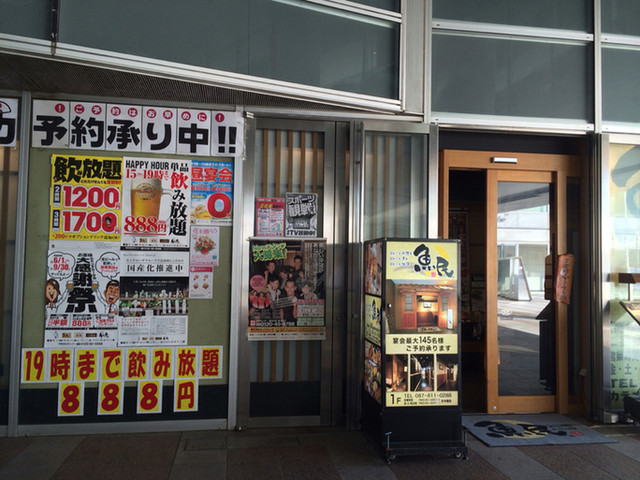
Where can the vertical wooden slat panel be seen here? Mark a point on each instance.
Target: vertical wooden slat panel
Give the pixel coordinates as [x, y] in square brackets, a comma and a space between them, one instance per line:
[312, 360]
[295, 354]
[303, 161]
[265, 162]
[274, 362]
[287, 346]
[290, 162]
[298, 361]
[278, 158]
[314, 179]
[260, 361]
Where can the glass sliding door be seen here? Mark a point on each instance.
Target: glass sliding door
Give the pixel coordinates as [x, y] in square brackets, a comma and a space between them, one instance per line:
[528, 340]
[525, 318]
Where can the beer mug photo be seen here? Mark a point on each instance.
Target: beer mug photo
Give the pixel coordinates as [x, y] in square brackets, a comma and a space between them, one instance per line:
[146, 194]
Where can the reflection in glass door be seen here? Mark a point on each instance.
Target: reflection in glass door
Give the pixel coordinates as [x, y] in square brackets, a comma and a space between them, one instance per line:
[522, 223]
[526, 339]
[532, 206]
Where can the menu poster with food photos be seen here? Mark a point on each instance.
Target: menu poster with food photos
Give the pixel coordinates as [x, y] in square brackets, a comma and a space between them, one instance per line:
[372, 319]
[373, 370]
[373, 268]
[205, 242]
[211, 193]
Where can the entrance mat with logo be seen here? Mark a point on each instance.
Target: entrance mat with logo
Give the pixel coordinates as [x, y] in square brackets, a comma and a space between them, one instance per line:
[526, 430]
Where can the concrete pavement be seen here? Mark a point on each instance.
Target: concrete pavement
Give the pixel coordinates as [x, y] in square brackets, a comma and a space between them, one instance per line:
[325, 453]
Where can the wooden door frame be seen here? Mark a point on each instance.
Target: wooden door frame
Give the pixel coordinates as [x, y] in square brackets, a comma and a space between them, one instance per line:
[555, 169]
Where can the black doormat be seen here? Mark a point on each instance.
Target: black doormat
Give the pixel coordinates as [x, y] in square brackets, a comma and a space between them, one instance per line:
[525, 430]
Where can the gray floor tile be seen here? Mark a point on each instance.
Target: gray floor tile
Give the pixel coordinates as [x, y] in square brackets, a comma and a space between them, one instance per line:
[41, 458]
[198, 471]
[330, 453]
[213, 458]
[510, 461]
[566, 463]
[627, 445]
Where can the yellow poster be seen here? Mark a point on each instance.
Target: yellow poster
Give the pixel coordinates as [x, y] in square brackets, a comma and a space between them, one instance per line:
[186, 358]
[86, 198]
[70, 399]
[33, 365]
[149, 396]
[422, 261]
[162, 363]
[112, 364]
[372, 318]
[210, 362]
[110, 400]
[137, 363]
[87, 364]
[60, 364]
[185, 398]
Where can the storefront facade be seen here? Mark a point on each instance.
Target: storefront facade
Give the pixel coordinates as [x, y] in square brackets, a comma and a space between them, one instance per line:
[274, 150]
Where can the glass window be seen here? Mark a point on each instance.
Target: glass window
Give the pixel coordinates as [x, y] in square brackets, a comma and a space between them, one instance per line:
[296, 42]
[624, 226]
[620, 97]
[620, 17]
[27, 18]
[408, 303]
[395, 192]
[391, 5]
[511, 77]
[561, 14]
[162, 29]
[335, 50]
